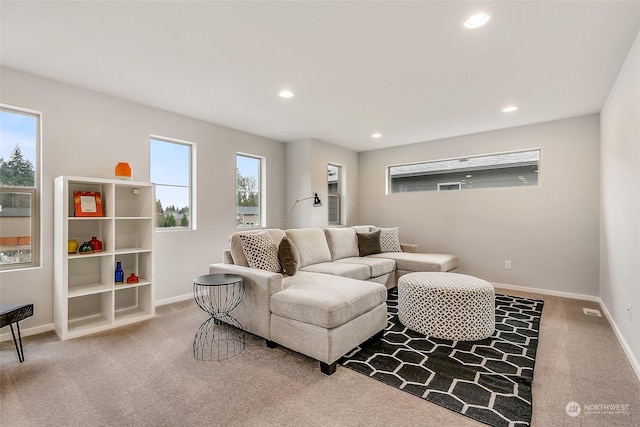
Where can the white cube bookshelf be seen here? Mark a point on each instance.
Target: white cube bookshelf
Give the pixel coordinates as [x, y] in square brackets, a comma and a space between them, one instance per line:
[86, 297]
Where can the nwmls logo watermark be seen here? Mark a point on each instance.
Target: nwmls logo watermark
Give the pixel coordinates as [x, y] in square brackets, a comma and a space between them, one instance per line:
[574, 409]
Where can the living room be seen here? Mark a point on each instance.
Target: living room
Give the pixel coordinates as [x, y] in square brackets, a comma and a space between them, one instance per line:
[575, 235]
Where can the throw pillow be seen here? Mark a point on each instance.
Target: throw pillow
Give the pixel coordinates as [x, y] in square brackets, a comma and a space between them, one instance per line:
[261, 251]
[369, 243]
[389, 239]
[288, 256]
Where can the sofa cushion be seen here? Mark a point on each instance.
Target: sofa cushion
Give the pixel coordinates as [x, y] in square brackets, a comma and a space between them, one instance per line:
[261, 251]
[235, 246]
[408, 261]
[342, 242]
[352, 271]
[311, 298]
[288, 256]
[362, 228]
[312, 245]
[378, 266]
[369, 243]
[389, 239]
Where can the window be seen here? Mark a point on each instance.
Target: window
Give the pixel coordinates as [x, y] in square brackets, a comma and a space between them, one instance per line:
[517, 169]
[171, 169]
[248, 191]
[334, 185]
[19, 188]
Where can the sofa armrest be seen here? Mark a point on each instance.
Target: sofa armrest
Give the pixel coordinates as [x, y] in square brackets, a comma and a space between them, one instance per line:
[253, 312]
[407, 247]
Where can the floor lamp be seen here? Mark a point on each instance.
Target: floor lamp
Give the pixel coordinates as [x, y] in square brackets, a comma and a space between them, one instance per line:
[316, 204]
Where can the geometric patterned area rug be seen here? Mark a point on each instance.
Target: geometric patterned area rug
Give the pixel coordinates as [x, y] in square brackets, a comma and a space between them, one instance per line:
[488, 380]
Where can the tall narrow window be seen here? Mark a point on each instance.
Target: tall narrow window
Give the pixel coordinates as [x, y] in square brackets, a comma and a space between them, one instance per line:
[171, 166]
[19, 188]
[334, 185]
[248, 191]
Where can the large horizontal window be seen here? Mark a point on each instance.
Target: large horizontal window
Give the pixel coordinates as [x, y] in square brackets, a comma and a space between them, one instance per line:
[515, 169]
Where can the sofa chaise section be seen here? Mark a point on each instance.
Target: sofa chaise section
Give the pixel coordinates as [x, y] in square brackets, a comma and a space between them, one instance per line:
[324, 319]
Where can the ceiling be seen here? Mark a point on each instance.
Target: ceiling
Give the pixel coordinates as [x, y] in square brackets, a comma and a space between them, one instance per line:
[408, 70]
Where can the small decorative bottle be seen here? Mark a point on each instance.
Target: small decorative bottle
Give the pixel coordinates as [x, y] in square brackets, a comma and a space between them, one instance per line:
[132, 279]
[119, 273]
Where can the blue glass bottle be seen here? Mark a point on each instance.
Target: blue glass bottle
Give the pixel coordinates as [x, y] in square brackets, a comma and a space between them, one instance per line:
[119, 273]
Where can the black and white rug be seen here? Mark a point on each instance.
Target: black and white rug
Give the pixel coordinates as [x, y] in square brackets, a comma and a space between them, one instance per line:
[488, 380]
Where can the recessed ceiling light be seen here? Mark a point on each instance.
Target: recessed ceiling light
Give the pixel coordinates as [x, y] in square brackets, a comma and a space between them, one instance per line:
[376, 135]
[477, 20]
[509, 109]
[286, 94]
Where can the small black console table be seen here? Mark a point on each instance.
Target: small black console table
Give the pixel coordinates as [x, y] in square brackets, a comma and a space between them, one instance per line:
[221, 336]
[10, 314]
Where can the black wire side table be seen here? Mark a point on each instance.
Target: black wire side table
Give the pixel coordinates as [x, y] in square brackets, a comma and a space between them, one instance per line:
[221, 336]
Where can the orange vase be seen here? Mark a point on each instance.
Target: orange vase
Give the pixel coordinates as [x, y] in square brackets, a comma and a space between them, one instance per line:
[123, 171]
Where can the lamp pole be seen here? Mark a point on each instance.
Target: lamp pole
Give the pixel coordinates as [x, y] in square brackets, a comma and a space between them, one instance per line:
[316, 203]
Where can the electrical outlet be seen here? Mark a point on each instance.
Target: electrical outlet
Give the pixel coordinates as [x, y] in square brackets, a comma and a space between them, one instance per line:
[507, 265]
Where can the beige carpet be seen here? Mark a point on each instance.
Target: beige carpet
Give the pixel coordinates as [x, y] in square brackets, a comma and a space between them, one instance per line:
[145, 375]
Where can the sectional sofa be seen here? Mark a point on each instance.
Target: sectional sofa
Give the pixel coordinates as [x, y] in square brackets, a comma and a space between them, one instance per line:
[332, 294]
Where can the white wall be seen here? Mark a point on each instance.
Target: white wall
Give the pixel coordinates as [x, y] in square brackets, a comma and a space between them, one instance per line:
[298, 183]
[550, 233]
[86, 133]
[307, 162]
[620, 209]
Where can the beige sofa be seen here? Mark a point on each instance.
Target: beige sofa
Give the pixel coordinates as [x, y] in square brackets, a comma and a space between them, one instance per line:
[334, 302]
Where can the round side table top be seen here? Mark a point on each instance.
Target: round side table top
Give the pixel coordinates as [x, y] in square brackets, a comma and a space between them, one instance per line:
[217, 279]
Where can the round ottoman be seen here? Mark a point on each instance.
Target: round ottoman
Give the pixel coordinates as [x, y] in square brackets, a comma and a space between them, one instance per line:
[447, 305]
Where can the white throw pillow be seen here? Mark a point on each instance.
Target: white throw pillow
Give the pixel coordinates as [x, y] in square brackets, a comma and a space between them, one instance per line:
[261, 251]
[389, 239]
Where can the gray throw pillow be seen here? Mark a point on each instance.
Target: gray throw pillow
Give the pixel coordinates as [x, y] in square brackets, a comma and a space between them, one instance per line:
[369, 243]
[288, 256]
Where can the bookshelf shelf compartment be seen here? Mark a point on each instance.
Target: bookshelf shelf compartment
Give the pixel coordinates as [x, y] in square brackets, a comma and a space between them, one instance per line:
[86, 299]
[131, 302]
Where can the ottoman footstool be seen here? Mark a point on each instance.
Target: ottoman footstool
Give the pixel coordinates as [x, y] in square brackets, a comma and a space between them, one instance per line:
[450, 306]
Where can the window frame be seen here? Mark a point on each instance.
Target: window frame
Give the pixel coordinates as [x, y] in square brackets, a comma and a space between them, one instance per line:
[35, 192]
[261, 191]
[192, 182]
[337, 195]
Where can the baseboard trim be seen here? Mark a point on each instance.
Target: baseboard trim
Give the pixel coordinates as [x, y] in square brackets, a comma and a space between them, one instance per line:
[50, 327]
[171, 300]
[635, 365]
[27, 332]
[548, 292]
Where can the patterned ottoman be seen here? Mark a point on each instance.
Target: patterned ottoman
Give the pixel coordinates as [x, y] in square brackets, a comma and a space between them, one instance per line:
[447, 305]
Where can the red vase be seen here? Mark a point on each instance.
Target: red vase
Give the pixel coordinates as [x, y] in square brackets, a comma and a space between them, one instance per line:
[132, 279]
[96, 244]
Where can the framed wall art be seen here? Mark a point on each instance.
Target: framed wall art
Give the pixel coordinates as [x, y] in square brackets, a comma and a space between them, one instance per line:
[87, 203]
